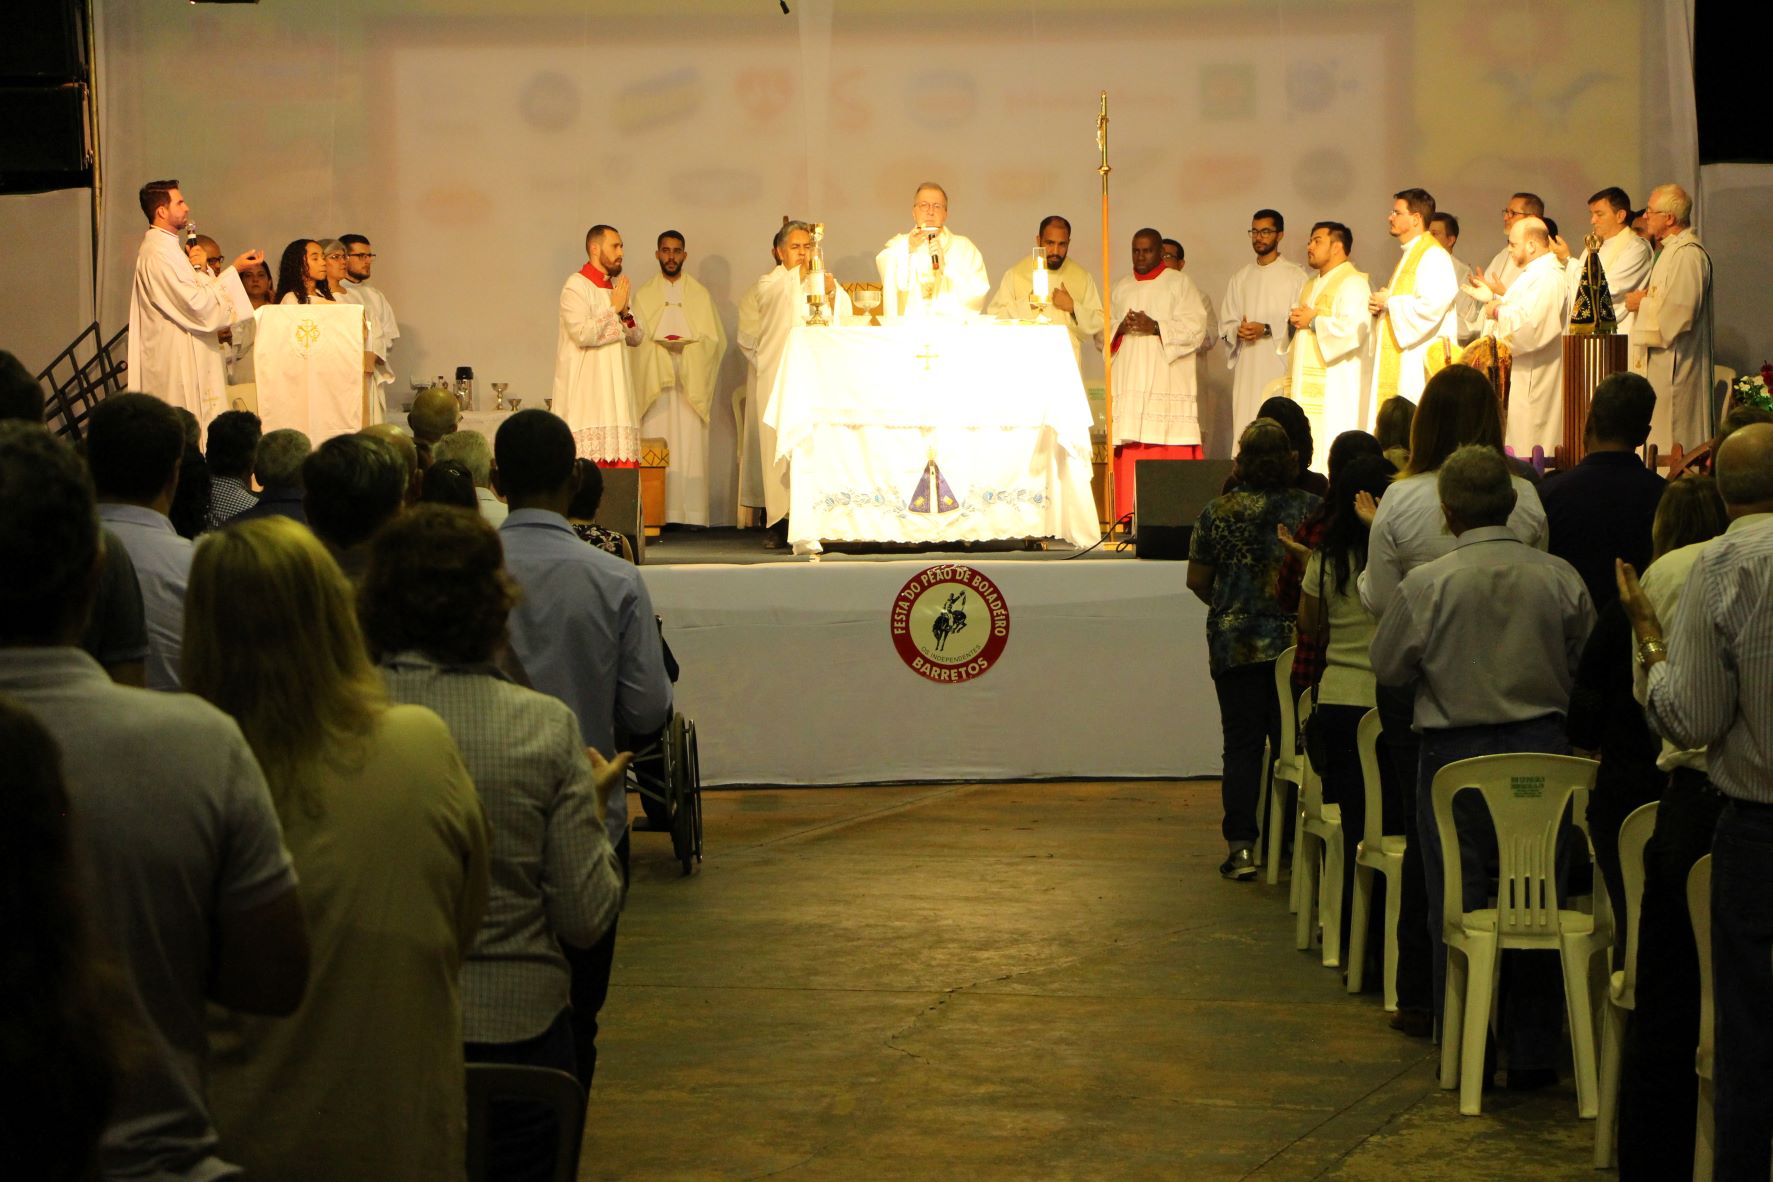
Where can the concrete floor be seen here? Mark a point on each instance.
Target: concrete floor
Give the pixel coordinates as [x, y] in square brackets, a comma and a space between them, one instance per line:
[1042, 981]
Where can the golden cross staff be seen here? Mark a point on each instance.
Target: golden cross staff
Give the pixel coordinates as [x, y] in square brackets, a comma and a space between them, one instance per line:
[1107, 319]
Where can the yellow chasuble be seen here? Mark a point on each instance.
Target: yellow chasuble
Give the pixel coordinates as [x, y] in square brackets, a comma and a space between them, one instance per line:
[1310, 394]
[1403, 282]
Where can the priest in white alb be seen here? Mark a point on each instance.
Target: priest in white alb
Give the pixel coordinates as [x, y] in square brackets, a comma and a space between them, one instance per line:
[930, 269]
[674, 374]
[1254, 315]
[1530, 317]
[1325, 343]
[597, 328]
[1626, 259]
[781, 305]
[1071, 291]
[175, 313]
[1671, 340]
[1414, 309]
[378, 316]
[1156, 400]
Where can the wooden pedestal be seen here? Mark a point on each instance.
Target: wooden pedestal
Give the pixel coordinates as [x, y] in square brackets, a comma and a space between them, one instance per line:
[655, 459]
[1587, 359]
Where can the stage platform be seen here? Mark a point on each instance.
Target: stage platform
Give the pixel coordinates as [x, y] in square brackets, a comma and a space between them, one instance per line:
[793, 674]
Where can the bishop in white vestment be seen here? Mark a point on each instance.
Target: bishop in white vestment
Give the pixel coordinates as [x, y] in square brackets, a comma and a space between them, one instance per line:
[1325, 343]
[1254, 315]
[1414, 310]
[673, 376]
[597, 328]
[1531, 316]
[934, 258]
[1156, 397]
[174, 316]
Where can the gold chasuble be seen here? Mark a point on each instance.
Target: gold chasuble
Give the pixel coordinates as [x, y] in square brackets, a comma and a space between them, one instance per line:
[1403, 282]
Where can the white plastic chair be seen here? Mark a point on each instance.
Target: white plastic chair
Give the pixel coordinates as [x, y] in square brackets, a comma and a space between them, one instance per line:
[1318, 860]
[1527, 795]
[1622, 985]
[1378, 853]
[1285, 768]
[1705, 1124]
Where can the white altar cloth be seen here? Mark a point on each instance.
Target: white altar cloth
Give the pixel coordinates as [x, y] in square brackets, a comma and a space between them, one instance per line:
[860, 413]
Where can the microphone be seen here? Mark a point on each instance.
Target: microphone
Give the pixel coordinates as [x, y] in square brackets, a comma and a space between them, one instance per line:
[935, 251]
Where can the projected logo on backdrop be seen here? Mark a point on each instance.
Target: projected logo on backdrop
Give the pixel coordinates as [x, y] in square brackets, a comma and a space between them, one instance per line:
[950, 623]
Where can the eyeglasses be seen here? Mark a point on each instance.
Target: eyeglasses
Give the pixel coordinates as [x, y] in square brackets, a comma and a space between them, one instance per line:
[1515, 213]
[930, 206]
[357, 254]
[1270, 233]
[214, 260]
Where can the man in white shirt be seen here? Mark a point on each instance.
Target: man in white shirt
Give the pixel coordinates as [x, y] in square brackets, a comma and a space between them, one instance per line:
[1071, 290]
[383, 329]
[1324, 341]
[134, 445]
[673, 375]
[597, 328]
[929, 268]
[1414, 308]
[1531, 316]
[1156, 396]
[1671, 334]
[175, 315]
[1625, 258]
[1254, 311]
[1503, 270]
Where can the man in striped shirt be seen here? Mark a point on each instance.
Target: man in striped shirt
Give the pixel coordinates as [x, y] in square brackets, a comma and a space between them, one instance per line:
[1711, 685]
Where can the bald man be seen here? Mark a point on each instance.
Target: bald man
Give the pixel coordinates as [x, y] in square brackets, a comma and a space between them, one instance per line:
[1671, 335]
[1530, 317]
[931, 257]
[434, 414]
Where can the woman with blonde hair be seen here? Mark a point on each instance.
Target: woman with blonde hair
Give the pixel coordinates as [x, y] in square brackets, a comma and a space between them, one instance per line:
[365, 1079]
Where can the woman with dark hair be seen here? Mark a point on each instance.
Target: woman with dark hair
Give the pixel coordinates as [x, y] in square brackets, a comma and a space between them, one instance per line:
[1393, 429]
[582, 515]
[1291, 416]
[1234, 561]
[434, 604]
[301, 274]
[448, 482]
[59, 1035]
[1331, 615]
[191, 497]
[1307, 657]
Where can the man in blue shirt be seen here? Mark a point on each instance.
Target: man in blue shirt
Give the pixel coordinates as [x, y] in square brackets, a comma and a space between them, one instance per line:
[584, 632]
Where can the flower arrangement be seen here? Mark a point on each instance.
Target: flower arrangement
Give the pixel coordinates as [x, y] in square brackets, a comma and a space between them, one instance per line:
[1754, 389]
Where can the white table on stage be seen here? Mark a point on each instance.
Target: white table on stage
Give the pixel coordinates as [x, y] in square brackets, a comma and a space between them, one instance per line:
[860, 412]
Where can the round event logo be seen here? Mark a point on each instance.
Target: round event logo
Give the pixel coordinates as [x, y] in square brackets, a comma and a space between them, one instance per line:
[950, 623]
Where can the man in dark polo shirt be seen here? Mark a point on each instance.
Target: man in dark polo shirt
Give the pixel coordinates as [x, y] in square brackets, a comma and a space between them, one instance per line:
[1602, 508]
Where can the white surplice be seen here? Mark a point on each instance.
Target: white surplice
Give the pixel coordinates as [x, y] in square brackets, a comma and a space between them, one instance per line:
[591, 390]
[1263, 295]
[1084, 321]
[745, 417]
[1156, 394]
[384, 330]
[174, 316]
[781, 306]
[1530, 317]
[1327, 360]
[1419, 315]
[1468, 311]
[1672, 342]
[673, 376]
[905, 258]
[1626, 260]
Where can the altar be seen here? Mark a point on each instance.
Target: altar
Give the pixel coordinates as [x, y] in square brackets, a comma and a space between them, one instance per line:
[932, 431]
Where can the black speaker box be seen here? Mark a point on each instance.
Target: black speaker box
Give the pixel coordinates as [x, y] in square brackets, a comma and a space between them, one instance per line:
[620, 508]
[1168, 497]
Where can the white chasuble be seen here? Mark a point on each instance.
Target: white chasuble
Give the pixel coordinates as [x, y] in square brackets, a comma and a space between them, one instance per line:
[1262, 295]
[1156, 397]
[956, 273]
[591, 390]
[673, 375]
[781, 306]
[1084, 321]
[1530, 317]
[174, 316]
[1672, 343]
[1418, 312]
[1327, 360]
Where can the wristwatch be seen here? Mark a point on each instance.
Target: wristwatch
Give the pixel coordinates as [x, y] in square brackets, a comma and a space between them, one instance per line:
[1651, 648]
